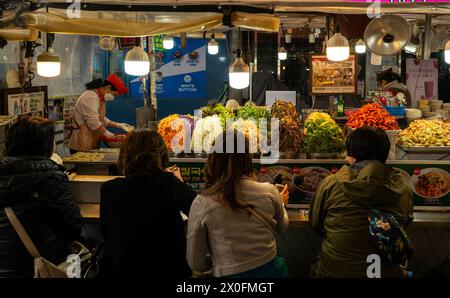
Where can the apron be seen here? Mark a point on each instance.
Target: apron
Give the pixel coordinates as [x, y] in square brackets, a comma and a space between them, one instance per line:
[82, 137]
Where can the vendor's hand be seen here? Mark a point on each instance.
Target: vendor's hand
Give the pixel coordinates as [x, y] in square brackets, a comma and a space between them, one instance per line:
[108, 135]
[284, 194]
[126, 127]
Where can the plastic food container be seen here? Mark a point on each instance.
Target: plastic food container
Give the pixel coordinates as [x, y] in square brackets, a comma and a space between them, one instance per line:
[395, 111]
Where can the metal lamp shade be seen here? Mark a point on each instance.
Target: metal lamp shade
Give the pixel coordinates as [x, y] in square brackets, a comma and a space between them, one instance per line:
[387, 35]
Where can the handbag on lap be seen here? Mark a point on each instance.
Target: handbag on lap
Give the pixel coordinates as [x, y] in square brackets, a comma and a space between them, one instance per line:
[42, 267]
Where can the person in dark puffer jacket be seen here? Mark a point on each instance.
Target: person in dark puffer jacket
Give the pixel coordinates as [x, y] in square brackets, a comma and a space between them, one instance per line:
[38, 191]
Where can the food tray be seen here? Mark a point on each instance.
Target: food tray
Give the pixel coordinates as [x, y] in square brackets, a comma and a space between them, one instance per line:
[429, 150]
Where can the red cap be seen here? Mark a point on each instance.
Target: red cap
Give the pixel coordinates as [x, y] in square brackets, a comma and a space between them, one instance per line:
[118, 83]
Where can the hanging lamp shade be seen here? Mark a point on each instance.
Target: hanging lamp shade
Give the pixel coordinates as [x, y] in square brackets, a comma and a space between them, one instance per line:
[447, 52]
[213, 47]
[337, 48]
[239, 73]
[168, 42]
[412, 45]
[360, 47]
[387, 35]
[137, 62]
[107, 43]
[282, 54]
[48, 64]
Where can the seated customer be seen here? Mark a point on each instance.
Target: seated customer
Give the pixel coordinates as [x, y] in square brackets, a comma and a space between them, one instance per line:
[140, 214]
[339, 208]
[37, 189]
[235, 218]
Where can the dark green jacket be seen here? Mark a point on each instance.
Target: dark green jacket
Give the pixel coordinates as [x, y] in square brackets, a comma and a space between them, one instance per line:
[338, 211]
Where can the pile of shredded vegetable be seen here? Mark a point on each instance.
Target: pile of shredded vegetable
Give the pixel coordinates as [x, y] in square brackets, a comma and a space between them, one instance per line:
[372, 115]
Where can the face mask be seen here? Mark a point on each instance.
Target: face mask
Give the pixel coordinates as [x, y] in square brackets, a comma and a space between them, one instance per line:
[109, 97]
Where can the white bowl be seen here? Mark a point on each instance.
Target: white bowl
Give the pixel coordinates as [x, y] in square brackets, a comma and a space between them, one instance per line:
[413, 113]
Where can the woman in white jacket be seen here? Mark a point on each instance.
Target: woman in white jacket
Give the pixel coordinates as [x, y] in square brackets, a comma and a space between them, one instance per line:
[235, 218]
[90, 118]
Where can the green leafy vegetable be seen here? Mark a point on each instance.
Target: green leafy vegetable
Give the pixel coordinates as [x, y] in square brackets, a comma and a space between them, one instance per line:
[323, 135]
[254, 113]
[220, 111]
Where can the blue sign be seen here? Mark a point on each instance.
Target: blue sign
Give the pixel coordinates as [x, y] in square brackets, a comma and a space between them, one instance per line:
[183, 73]
[136, 88]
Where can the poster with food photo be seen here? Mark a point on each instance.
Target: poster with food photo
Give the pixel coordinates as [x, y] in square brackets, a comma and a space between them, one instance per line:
[431, 184]
[28, 101]
[331, 77]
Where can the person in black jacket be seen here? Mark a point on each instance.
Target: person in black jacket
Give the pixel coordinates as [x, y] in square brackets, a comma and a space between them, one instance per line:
[37, 189]
[140, 218]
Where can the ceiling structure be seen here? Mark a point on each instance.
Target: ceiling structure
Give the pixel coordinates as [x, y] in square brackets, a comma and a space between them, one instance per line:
[293, 15]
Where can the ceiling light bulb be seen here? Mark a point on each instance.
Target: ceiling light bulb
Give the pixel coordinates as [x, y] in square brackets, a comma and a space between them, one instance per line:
[48, 64]
[338, 48]
[168, 42]
[282, 54]
[137, 62]
[239, 73]
[360, 47]
[213, 47]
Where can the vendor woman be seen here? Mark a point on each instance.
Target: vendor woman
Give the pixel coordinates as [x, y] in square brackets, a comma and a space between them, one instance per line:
[91, 124]
[391, 81]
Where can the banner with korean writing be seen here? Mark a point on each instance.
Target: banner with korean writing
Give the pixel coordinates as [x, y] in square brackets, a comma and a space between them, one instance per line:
[429, 182]
[183, 73]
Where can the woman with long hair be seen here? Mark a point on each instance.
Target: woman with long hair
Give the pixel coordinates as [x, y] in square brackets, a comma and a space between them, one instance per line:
[235, 218]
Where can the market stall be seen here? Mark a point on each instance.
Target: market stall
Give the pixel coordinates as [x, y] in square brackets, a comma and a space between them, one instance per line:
[309, 152]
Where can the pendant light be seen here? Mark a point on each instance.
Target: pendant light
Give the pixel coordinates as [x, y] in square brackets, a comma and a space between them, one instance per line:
[447, 52]
[48, 63]
[360, 47]
[213, 46]
[337, 47]
[282, 54]
[239, 74]
[168, 42]
[137, 62]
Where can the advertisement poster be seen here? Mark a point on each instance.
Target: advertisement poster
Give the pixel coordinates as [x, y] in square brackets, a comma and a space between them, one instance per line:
[55, 109]
[330, 77]
[422, 79]
[68, 111]
[183, 73]
[26, 103]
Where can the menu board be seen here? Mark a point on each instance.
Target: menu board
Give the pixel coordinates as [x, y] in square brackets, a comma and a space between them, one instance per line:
[430, 183]
[330, 77]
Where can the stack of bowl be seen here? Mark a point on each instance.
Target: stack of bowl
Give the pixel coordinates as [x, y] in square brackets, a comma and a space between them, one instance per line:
[423, 105]
[446, 106]
[435, 105]
[429, 114]
[442, 112]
